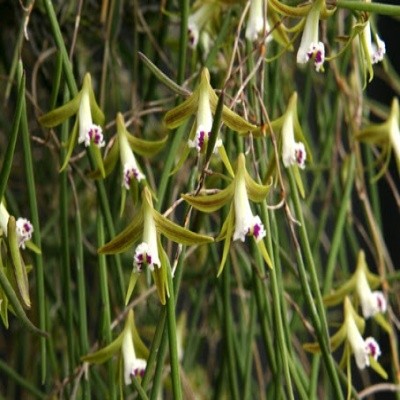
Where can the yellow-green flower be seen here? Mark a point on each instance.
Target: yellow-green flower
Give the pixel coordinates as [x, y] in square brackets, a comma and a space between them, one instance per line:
[147, 226]
[241, 221]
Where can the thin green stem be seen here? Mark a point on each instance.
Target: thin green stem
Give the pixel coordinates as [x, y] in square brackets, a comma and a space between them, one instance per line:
[378, 8]
[31, 190]
[340, 222]
[105, 306]
[315, 305]
[173, 345]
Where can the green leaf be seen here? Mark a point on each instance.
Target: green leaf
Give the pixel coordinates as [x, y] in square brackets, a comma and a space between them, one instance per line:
[377, 367]
[132, 283]
[21, 276]
[162, 77]
[102, 355]
[228, 227]
[255, 191]
[225, 160]
[178, 234]
[109, 162]
[124, 240]
[175, 117]
[264, 253]
[60, 114]
[146, 148]
[338, 295]
[297, 178]
[71, 144]
[212, 202]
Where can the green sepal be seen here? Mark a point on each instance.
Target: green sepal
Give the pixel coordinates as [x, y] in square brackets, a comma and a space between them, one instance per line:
[377, 367]
[225, 160]
[339, 294]
[182, 159]
[263, 250]
[178, 234]
[21, 276]
[338, 338]
[3, 299]
[313, 348]
[160, 274]
[175, 117]
[212, 202]
[132, 283]
[97, 114]
[109, 162]
[381, 320]
[124, 240]
[214, 129]
[278, 32]
[374, 134]
[70, 145]
[289, 11]
[32, 246]
[255, 191]
[227, 232]
[162, 77]
[298, 180]
[15, 305]
[123, 201]
[230, 118]
[102, 355]
[146, 148]
[60, 114]
[98, 159]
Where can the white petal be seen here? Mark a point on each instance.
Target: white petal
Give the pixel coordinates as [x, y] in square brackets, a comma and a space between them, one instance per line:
[309, 37]
[85, 117]
[24, 230]
[132, 365]
[357, 343]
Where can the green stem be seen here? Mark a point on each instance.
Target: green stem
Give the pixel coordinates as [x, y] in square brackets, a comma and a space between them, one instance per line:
[316, 306]
[340, 222]
[378, 8]
[173, 345]
[9, 153]
[183, 41]
[105, 306]
[31, 190]
[22, 383]
[228, 332]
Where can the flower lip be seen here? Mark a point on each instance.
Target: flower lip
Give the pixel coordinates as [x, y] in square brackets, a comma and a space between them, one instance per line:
[245, 222]
[24, 230]
[94, 134]
[131, 171]
[144, 255]
[372, 347]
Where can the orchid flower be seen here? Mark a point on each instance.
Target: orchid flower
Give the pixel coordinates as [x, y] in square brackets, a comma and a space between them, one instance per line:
[366, 351]
[128, 344]
[385, 135]
[310, 46]
[24, 227]
[146, 228]
[203, 103]
[19, 234]
[292, 144]
[199, 19]
[241, 221]
[257, 20]
[87, 128]
[373, 303]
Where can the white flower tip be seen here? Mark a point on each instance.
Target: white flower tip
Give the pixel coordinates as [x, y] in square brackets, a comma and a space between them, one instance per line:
[94, 134]
[136, 368]
[199, 140]
[144, 256]
[253, 227]
[258, 229]
[378, 50]
[372, 348]
[24, 230]
[193, 34]
[315, 51]
[296, 155]
[131, 172]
